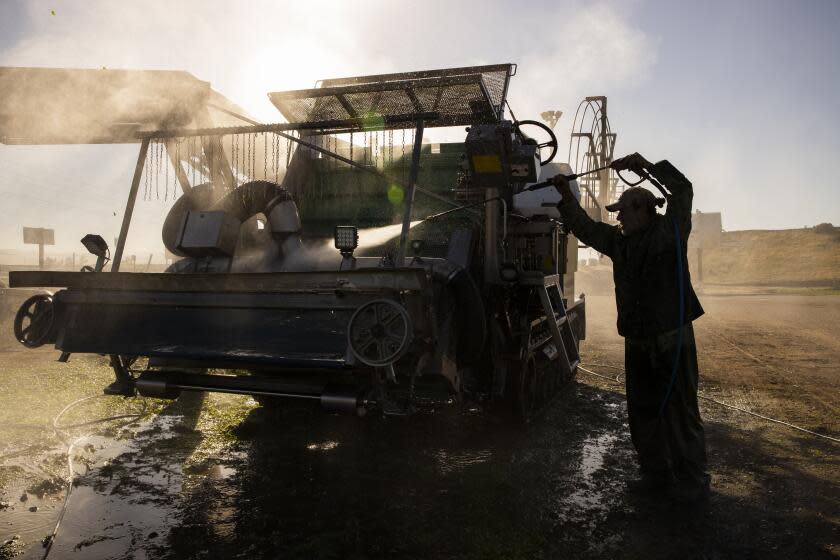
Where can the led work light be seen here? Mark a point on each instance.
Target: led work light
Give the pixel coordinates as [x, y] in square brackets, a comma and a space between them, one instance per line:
[346, 239]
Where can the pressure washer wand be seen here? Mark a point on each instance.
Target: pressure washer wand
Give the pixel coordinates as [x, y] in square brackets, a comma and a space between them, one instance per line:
[572, 177]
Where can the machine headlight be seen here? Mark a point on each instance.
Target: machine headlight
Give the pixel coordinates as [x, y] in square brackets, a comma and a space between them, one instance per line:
[346, 239]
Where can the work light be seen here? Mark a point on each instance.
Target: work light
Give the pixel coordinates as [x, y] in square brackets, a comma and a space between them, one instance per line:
[95, 245]
[346, 239]
[417, 246]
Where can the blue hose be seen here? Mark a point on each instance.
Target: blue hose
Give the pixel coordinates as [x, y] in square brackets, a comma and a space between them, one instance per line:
[681, 284]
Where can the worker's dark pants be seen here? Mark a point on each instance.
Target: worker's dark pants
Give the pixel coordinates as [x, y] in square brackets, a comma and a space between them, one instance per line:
[674, 442]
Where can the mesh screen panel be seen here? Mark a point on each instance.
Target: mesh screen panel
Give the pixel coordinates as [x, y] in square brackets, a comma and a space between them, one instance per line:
[460, 96]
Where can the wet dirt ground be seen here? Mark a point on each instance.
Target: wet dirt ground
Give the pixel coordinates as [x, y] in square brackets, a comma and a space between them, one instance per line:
[216, 476]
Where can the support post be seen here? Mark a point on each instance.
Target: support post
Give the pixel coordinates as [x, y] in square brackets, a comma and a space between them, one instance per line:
[41, 255]
[409, 195]
[604, 174]
[129, 205]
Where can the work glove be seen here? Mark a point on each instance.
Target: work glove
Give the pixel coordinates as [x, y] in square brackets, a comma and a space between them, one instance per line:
[634, 162]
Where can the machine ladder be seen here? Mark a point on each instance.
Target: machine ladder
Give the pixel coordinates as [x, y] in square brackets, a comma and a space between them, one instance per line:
[551, 297]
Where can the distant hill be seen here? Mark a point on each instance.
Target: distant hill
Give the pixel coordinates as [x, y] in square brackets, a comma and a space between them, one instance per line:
[791, 257]
[802, 257]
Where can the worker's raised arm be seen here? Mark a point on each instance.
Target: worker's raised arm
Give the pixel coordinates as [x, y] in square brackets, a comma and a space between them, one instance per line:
[682, 194]
[598, 235]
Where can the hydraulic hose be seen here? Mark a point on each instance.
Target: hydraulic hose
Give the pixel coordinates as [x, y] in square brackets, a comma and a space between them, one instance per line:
[681, 291]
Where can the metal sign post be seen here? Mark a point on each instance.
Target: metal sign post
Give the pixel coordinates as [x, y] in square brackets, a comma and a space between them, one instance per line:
[39, 237]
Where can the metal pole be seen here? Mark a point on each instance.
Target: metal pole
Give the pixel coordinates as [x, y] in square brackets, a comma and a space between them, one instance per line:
[320, 127]
[409, 195]
[41, 255]
[491, 235]
[129, 206]
[604, 175]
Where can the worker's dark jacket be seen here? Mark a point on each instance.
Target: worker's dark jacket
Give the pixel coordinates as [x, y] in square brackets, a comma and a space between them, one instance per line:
[644, 264]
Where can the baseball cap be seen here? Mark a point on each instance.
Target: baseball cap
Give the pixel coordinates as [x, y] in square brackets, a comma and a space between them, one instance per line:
[633, 197]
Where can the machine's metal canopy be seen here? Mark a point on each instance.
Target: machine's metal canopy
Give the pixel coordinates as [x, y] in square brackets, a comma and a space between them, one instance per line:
[459, 96]
[88, 106]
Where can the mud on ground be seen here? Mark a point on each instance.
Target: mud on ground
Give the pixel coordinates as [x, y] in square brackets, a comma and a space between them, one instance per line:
[218, 477]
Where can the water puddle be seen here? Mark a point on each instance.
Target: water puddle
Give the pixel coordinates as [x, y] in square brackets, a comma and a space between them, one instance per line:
[324, 446]
[129, 482]
[449, 462]
[593, 496]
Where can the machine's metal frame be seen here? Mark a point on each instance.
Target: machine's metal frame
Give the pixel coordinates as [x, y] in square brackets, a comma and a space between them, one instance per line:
[349, 289]
[316, 127]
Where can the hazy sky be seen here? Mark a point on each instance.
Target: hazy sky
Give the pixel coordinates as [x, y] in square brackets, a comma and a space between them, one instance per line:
[744, 97]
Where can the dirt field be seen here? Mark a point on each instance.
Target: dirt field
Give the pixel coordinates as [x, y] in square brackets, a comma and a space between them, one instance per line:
[217, 477]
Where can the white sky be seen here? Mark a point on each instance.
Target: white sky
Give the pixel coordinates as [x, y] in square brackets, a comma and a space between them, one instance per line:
[741, 96]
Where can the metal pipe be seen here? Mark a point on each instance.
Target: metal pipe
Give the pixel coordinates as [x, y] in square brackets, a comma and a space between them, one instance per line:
[161, 383]
[129, 205]
[491, 228]
[169, 386]
[243, 391]
[342, 401]
[409, 195]
[355, 124]
[604, 174]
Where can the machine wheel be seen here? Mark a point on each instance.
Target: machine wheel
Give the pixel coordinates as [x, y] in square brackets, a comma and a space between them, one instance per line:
[379, 332]
[35, 321]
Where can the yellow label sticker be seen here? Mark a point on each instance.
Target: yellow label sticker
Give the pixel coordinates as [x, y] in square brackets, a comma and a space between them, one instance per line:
[487, 164]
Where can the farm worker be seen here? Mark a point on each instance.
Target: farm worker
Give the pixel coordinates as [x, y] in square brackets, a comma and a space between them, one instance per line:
[660, 356]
